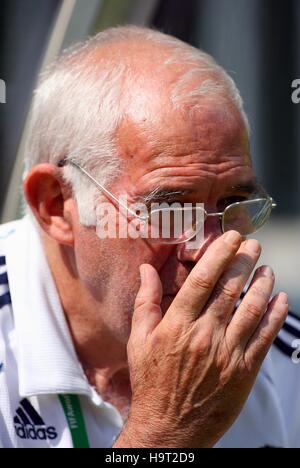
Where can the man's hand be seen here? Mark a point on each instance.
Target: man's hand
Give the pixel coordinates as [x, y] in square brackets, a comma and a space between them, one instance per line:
[193, 369]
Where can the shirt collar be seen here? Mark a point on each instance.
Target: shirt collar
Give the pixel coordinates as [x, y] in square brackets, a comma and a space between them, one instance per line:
[47, 361]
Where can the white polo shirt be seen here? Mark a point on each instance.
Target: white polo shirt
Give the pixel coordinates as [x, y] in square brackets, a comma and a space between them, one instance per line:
[37, 358]
[45, 398]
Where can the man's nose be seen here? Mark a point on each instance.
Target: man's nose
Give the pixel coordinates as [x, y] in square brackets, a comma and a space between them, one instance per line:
[192, 251]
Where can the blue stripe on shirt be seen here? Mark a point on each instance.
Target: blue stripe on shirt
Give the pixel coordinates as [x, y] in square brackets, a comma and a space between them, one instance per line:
[284, 348]
[291, 330]
[295, 316]
[5, 300]
[3, 279]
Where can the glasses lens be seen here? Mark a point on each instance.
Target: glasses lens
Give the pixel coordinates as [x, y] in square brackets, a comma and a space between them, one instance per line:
[247, 217]
[175, 225]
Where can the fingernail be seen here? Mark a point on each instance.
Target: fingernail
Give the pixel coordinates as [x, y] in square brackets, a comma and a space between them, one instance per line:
[253, 246]
[232, 238]
[267, 272]
[283, 299]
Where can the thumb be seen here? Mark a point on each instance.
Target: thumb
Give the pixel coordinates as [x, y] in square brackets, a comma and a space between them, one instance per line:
[147, 310]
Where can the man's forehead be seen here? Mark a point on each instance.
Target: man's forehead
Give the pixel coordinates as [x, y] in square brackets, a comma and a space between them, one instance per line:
[185, 149]
[211, 126]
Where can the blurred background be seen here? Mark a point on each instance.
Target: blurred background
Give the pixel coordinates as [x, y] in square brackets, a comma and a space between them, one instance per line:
[256, 41]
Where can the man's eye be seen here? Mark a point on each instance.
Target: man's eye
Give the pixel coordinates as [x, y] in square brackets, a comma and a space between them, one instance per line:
[223, 204]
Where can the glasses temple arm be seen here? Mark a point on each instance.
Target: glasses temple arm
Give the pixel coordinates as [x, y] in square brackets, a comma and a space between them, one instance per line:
[107, 193]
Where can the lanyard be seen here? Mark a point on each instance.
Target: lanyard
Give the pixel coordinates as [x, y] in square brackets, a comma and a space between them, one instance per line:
[74, 415]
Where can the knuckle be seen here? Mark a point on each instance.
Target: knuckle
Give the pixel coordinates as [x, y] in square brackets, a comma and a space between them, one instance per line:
[140, 301]
[264, 340]
[138, 313]
[202, 341]
[254, 311]
[201, 346]
[145, 302]
[201, 280]
[232, 291]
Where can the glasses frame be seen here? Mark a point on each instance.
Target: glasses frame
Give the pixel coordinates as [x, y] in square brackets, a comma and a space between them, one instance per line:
[111, 197]
[222, 215]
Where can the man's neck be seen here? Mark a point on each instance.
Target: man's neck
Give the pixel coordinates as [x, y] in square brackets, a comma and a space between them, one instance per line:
[103, 358]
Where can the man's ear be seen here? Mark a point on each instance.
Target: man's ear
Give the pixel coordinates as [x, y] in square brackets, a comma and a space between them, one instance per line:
[49, 198]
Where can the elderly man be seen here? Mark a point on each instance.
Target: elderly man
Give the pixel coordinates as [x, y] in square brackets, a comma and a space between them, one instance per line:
[129, 341]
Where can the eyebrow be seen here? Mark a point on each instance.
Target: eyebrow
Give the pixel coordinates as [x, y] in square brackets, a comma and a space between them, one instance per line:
[250, 186]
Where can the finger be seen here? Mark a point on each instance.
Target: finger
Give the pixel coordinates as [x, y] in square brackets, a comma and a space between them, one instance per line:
[232, 283]
[198, 287]
[147, 311]
[268, 330]
[251, 310]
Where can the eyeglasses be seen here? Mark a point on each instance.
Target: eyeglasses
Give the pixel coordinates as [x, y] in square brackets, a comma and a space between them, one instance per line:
[180, 224]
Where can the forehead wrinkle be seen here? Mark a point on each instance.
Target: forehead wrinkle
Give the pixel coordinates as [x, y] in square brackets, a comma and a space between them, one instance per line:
[183, 150]
[186, 156]
[209, 182]
[196, 169]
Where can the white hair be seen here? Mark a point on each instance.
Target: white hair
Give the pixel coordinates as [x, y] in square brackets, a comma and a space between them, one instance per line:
[80, 103]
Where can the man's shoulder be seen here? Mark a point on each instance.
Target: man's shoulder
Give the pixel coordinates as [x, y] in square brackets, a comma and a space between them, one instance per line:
[6, 232]
[8, 229]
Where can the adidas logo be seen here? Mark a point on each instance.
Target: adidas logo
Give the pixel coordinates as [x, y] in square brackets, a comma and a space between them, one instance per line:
[29, 424]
